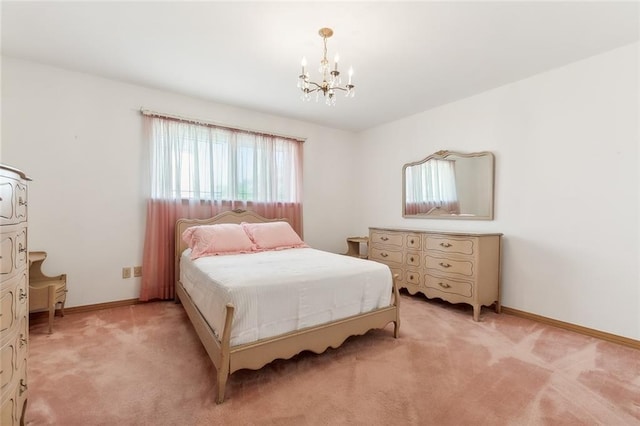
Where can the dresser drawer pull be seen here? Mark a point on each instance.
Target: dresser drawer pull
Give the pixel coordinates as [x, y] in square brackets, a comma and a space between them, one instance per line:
[410, 277]
[384, 238]
[23, 341]
[411, 259]
[23, 294]
[445, 245]
[444, 265]
[383, 254]
[444, 285]
[21, 202]
[23, 387]
[411, 241]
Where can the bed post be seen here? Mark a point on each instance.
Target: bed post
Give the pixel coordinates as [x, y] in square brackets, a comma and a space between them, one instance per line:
[223, 371]
[396, 295]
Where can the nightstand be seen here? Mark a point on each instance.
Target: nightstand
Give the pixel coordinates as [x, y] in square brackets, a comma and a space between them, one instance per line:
[45, 293]
[354, 246]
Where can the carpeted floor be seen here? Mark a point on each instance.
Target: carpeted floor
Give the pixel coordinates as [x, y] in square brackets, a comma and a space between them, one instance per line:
[144, 365]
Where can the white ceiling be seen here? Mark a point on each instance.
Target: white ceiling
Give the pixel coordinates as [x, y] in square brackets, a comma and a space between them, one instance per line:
[407, 56]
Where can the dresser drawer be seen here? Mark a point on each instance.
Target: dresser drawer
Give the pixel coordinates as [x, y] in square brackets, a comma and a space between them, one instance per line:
[445, 244]
[413, 242]
[385, 255]
[13, 299]
[412, 277]
[412, 259]
[13, 249]
[387, 238]
[8, 410]
[8, 364]
[449, 266]
[397, 274]
[13, 201]
[445, 285]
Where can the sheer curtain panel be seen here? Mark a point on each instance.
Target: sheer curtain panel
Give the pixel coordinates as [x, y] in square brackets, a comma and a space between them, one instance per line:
[431, 185]
[198, 171]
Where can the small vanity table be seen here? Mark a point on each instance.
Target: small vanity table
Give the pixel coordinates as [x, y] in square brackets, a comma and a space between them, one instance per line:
[45, 293]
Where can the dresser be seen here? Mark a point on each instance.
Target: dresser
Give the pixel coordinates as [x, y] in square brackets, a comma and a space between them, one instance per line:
[14, 318]
[456, 267]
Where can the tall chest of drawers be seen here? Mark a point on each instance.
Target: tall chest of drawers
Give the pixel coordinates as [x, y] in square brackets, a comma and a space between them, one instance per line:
[14, 307]
[456, 267]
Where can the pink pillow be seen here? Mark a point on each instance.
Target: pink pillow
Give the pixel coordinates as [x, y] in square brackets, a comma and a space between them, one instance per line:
[212, 240]
[273, 235]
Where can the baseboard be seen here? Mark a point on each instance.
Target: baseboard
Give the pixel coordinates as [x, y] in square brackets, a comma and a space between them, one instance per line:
[635, 344]
[86, 308]
[625, 341]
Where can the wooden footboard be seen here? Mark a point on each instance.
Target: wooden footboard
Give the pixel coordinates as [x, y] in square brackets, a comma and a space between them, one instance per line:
[228, 359]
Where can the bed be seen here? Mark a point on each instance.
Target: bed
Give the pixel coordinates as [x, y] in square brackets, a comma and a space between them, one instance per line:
[229, 355]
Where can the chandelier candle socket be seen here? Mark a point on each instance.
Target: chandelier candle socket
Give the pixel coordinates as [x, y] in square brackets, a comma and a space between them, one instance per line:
[331, 79]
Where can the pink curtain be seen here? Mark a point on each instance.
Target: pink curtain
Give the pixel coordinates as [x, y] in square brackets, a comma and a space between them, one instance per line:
[158, 262]
[426, 206]
[196, 171]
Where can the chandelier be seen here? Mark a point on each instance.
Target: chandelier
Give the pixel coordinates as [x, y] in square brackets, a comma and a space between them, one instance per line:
[331, 80]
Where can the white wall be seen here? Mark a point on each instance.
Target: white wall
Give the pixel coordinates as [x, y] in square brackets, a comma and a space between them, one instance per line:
[80, 138]
[567, 185]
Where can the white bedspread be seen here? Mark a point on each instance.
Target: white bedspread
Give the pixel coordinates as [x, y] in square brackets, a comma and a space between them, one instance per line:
[275, 292]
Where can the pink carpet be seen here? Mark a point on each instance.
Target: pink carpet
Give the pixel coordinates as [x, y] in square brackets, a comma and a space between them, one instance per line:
[144, 365]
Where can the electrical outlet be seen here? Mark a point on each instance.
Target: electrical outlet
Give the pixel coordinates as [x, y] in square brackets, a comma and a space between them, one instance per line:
[126, 272]
[137, 271]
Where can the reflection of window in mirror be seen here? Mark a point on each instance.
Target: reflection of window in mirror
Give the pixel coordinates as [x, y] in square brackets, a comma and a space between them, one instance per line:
[432, 185]
[449, 185]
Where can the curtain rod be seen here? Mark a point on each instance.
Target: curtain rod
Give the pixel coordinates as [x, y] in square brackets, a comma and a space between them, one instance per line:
[150, 113]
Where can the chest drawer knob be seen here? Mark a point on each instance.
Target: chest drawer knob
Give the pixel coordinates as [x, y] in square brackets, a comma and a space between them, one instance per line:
[411, 258]
[383, 254]
[444, 285]
[445, 245]
[384, 238]
[444, 265]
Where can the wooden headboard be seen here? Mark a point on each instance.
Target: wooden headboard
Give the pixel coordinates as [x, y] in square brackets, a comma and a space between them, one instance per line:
[234, 216]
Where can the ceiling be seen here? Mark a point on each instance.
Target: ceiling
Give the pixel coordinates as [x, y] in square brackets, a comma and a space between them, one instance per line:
[407, 56]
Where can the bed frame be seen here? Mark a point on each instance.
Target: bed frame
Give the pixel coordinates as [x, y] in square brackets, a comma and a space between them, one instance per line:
[228, 359]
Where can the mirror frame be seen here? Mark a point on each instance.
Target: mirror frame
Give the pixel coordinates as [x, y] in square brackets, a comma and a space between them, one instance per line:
[441, 155]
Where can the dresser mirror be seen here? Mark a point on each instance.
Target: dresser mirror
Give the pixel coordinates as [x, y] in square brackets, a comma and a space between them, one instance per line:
[449, 185]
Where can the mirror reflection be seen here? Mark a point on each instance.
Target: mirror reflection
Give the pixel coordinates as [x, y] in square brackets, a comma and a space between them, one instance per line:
[449, 185]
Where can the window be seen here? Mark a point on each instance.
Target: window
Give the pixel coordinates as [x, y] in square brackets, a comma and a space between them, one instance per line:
[227, 169]
[198, 162]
